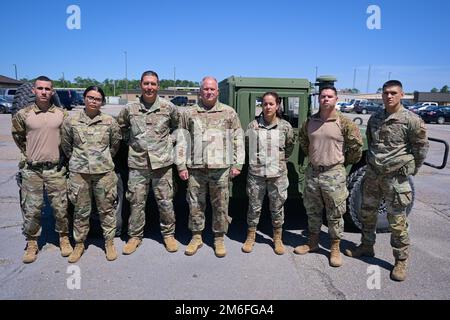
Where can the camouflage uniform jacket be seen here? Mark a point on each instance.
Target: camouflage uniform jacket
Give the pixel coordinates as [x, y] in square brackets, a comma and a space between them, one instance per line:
[19, 128]
[269, 147]
[352, 139]
[395, 141]
[89, 143]
[213, 138]
[147, 131]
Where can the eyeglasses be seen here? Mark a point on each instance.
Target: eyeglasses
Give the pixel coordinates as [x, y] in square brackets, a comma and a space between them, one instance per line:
[92, 99]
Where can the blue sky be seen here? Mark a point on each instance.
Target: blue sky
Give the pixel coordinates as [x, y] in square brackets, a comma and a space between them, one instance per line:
[283, 38]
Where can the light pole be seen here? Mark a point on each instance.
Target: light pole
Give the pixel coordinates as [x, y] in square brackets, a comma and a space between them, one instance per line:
[63, 80]
[15, 69]
[368, 79]
[126, 75]
[354, 79]
[389, 76]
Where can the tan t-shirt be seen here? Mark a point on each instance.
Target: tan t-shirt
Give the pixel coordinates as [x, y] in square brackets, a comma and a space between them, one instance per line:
[43, 134]
[326, 147]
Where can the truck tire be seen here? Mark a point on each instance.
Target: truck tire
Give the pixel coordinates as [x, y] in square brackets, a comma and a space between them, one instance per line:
[354, 200]
[441, 120]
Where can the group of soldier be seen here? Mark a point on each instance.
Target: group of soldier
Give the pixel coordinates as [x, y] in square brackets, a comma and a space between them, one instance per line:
[207, 145]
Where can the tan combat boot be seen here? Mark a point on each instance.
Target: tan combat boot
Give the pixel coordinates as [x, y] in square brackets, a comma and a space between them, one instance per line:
[111, 253]
[250, 241]
[195, 243]
[360, 251]
[77, 252]
[64, 245]
[131, 246]
[399, 271]
[277, 241]
[31, 252]
[219, 246]
[335, 253]
[170, 243]
[311, 246]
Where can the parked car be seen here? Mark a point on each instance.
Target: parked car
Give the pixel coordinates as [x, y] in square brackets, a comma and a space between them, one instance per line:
[423, 105]
[68, 98]
[180, 101]
[367, 107]
[5, 106]
[8, 93]
[352, 104]
[438, 114]
[341, 105]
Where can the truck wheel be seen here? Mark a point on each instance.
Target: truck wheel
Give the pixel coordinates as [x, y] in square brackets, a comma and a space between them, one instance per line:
[441, 120]
[354, 200]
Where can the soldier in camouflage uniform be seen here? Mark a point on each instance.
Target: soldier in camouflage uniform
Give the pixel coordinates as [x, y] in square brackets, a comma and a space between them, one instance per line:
[398, 145]
[214, 153]
[90, 139]
[36, 131]
[270, 143]
[331, 142]
[147, 126]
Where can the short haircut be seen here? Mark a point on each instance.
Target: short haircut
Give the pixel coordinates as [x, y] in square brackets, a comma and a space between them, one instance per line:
[43, 78]
[206, 78]
[392, 83]
[95, 88]
[149, 73]
[328, 88]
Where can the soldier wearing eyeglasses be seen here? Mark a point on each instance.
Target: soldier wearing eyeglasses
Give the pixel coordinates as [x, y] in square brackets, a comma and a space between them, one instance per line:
[90, 139]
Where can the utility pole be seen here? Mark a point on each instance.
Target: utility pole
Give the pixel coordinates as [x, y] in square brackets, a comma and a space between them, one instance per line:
[389, 76]
[315, 90]
[354, 79]
[368, 79]
[174, 81]
[114, 86]
[126, 75]
[15, 69]
[63, 80]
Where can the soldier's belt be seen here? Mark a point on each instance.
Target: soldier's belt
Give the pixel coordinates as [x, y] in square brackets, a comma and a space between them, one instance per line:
[41, 165]
[324, 168]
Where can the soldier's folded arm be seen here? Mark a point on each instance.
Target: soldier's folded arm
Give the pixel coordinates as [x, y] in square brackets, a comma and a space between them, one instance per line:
[115, 137]
[352, 143]
[238, 144]
[18, 132]
[417, 136]
[303, 138]
[67, 138]
[123, 120]
[290, 142]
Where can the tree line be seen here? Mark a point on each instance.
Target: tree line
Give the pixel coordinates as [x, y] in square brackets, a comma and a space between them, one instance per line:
[115, 87]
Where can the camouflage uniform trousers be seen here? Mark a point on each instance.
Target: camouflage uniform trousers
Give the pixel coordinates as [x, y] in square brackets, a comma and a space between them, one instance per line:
[397, 192]
[138, 187]
[277, 192]
[32, 199]
[326, 189]
[104, 189]
[217, 181]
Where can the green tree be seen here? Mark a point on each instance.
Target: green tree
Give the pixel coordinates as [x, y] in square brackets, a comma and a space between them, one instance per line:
[445, 89]
[434, 90]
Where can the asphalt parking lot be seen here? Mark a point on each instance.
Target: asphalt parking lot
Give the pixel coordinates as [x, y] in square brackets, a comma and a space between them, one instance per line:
[153, 273]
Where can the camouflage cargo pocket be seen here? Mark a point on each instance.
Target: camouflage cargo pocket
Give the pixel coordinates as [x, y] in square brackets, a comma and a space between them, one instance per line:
[403, 194]
[73, 192]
